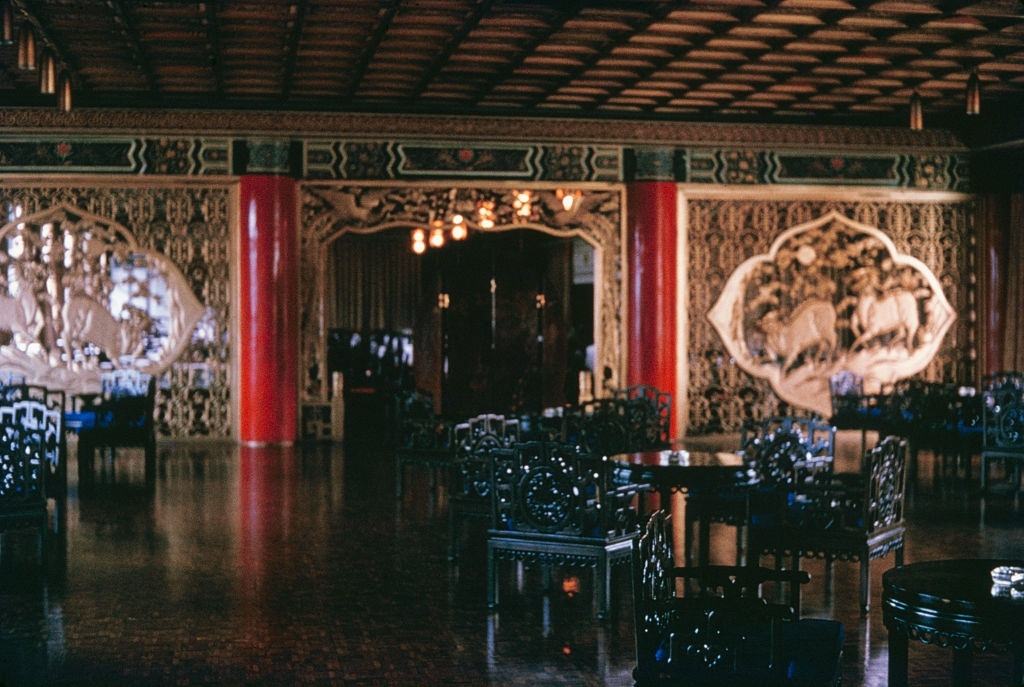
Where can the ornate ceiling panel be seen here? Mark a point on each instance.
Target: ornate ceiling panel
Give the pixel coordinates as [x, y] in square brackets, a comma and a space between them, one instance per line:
[767, 59]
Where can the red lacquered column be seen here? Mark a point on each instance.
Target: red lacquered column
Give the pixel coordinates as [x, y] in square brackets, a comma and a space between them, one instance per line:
[268, 311]
[993, 218]
[652, 223]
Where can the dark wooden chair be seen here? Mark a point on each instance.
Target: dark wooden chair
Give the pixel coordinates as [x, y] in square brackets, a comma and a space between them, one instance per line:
[725, 634]
[649, 415]
[121, 417]
[852, 517]
[780, 455]
[40, 409]
[552, 504]
[853, 409]
[424, 439]
[476, 442]
[22, 479]
[1003, 422]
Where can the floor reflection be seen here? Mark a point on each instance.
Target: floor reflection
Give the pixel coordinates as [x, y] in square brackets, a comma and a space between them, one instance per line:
[288, 566]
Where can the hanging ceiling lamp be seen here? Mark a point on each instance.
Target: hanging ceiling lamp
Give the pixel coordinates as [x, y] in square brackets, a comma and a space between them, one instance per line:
[48, 74]
[916, 112]
[64, 94]
[974, 93]
[26, 48]
[6, 24]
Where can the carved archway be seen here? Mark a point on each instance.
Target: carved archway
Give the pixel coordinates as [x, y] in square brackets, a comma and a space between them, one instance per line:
[831, 295]
[330, 210]
[78, 295]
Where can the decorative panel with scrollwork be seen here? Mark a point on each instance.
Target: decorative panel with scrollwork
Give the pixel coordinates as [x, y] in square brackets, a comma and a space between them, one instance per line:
[808, 287]
[330, 210]
[122, 276]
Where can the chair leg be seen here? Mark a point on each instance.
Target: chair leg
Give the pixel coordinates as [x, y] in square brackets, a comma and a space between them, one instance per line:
[795, 591]
[492, 578]
[545, 578]
[984, 473]
[741, 548]
[399, 470]
[865, 583]
[899, 556]
[453, 534]
[829, 565]
[705, 542]
[602, 575]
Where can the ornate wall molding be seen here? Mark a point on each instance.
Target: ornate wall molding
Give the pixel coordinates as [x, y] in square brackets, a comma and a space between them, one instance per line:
[77, 154]
[724, 227]
[330, 210]
[476, 128]
[831, 295]
[191, 225]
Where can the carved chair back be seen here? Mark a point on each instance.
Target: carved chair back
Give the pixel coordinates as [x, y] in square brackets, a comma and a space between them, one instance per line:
[707, 631]
[552, 488]
[22, 467]
[40, 409]
[601, 427]
[649, 414]
[788, 451]
[128, 402]
[476, 443]
[11, 378]
[418, 427]
[1003, 423]
[872, 505]
[885, 485]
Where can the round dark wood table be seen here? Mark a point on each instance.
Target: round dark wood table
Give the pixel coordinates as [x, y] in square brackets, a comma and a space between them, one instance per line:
[678, 469]
[951, 604]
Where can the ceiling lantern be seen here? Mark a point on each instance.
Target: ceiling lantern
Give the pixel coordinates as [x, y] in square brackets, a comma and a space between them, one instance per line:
[916, 112]
[26, 48]
[47, 74]
[973, 93]
[64, 94]
[6, 23]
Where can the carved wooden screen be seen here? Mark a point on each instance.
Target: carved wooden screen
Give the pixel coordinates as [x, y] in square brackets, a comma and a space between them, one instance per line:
[723, 232]
[137, 275]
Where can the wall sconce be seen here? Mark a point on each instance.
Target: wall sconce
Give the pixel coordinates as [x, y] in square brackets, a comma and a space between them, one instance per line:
[973, 93]
[6, 24]
[26, 48]
[916, 112]
[48, 75]
[64, 94]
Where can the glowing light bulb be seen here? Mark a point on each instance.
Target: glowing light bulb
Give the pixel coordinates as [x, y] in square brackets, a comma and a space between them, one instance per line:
[458, 219]
[418, 247]
[418, 236]
[436, 238]
[458, 232]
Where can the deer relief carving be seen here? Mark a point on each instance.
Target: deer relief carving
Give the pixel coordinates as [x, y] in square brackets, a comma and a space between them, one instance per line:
[831, 295]
[78, 295]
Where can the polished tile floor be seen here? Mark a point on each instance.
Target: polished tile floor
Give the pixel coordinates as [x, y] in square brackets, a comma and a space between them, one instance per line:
[269, 566]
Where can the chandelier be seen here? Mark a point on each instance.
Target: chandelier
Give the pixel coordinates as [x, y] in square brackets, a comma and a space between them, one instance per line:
[452, 217]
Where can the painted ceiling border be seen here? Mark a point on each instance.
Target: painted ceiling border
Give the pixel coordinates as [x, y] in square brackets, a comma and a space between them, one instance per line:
[479, 128]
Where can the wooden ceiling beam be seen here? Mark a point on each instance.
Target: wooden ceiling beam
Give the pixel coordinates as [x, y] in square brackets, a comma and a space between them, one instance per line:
[442, 57]
[658, 13]
[299, 10]
[67, 65]
[131, 37]
[385, 14]
[565, 12]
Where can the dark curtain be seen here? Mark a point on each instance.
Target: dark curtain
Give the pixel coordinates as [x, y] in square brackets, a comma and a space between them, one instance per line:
[373, 282]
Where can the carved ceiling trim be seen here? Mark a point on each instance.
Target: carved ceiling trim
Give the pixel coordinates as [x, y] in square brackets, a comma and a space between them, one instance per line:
[478, 128]
[330, 210]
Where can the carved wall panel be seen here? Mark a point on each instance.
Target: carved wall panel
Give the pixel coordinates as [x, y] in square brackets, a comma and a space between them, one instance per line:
[857, 256]
[831, 295]
[141, 273]
[330, 210]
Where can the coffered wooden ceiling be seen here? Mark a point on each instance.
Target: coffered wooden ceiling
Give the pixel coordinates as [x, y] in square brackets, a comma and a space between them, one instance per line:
[824, 60]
